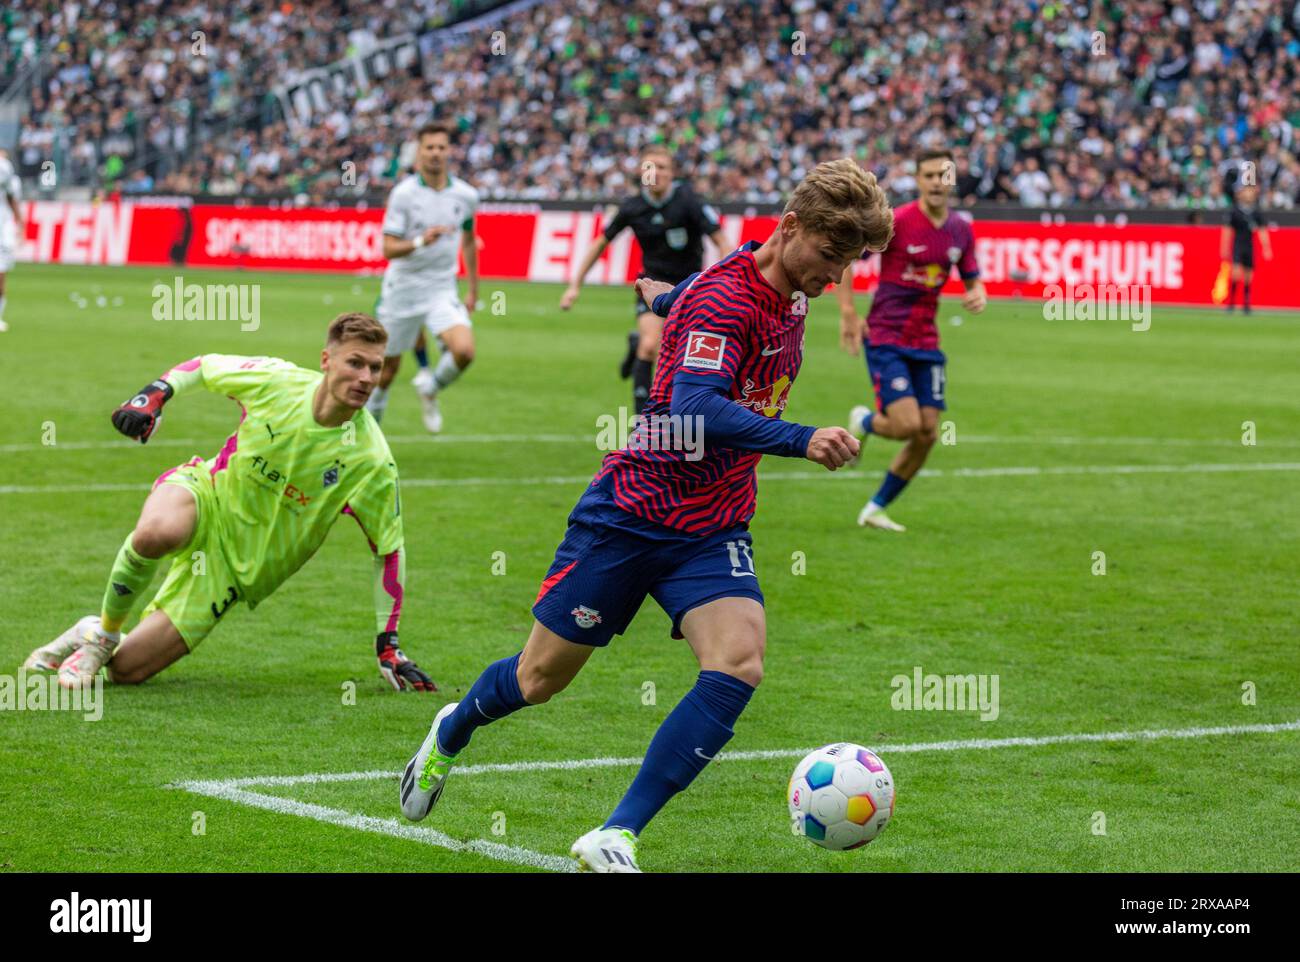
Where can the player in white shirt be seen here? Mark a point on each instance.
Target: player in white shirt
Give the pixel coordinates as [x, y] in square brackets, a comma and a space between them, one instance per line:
[11, 225]
[429, 221]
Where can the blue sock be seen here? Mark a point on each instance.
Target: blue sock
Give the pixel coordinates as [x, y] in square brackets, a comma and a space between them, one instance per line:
[866, 421]
[891, 489]
[422, 357]
[689, 737]
[495, 695]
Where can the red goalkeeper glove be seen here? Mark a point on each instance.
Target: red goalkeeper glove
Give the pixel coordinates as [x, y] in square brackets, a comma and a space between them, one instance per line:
[138, 417]
[398, 670]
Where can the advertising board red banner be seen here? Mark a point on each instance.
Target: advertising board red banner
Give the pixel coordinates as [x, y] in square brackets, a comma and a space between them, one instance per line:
[1177, 264]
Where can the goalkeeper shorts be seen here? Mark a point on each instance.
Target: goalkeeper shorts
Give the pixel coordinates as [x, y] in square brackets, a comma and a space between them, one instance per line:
[200, 585]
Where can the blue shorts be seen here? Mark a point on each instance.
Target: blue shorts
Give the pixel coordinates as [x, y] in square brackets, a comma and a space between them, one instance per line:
[898, 372]
[610, 560]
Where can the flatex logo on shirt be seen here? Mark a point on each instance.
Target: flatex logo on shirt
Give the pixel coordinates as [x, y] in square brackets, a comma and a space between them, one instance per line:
[269, 477]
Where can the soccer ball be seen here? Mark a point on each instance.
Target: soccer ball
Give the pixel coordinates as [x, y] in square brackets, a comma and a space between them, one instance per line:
[840, 796]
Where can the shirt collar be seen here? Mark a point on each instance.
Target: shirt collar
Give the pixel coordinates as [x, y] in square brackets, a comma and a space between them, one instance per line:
[672, 189]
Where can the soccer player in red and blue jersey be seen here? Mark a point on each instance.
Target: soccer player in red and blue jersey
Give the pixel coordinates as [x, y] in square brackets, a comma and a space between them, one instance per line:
[901, 339]
[668, 516]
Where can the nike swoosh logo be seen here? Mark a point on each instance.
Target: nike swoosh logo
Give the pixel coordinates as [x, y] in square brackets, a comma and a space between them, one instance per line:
[707, 758]
[915, 248]
[768, 352]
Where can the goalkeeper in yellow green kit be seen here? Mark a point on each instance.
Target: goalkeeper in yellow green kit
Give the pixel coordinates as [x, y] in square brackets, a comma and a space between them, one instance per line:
[238, 525]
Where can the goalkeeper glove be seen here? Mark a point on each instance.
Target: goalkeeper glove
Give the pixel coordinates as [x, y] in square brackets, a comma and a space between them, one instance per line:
[398, 670]
[138, 417]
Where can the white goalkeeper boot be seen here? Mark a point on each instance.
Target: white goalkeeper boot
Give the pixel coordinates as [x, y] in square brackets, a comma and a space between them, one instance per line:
[50, 656]
[93, 652]
[606, 850]
[426, 773]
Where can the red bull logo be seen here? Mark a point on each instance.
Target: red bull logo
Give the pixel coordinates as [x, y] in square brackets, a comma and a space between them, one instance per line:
[767, 401]
[929, 275]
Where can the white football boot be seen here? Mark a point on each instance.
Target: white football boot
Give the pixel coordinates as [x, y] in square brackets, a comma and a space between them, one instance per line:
[93, 652]
[606, 850]
[3, 327]
[856, 414]
[873, 516]
[428, 391]
[430, 413]
[426, 772]
[50, 656]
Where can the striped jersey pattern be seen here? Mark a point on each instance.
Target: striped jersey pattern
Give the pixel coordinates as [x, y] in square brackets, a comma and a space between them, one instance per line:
[733, 326]
[913, 269]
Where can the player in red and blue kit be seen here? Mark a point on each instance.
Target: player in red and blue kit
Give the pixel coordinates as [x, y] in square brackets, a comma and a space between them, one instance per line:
[669, 518]
[901, 339]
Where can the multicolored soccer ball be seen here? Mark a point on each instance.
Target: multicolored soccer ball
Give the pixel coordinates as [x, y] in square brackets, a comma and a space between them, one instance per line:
[840, 796]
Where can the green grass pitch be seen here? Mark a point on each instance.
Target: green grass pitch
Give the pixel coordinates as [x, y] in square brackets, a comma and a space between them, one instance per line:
[1071, 438]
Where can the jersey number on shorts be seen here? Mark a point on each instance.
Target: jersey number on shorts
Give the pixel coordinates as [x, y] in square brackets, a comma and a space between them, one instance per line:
[937, 381]
[742, 559]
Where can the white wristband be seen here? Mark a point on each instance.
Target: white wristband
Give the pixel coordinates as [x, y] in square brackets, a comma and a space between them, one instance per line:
[418, 242]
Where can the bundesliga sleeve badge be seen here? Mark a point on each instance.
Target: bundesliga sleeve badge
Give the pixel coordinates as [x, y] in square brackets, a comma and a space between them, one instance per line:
[705, 350]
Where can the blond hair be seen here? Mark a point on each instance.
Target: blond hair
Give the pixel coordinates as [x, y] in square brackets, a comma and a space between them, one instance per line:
[843, 203]
[355, 326]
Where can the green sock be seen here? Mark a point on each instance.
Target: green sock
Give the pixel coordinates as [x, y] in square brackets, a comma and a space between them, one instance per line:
[131, 576]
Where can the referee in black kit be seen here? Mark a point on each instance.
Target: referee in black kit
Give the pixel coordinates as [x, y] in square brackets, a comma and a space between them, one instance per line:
[670, 223]
[1243, 221]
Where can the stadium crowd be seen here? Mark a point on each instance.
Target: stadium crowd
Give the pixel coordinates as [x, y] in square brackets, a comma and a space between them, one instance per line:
[124, 85]
[1126, 103]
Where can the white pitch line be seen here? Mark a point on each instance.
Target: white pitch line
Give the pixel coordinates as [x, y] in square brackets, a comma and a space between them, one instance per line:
[198, 445]
[810, 475]
[380, 826]
[969, 744]
[1116, 440]
[817, 477]
[195, 444]
[236, 789]
[1207, 468]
